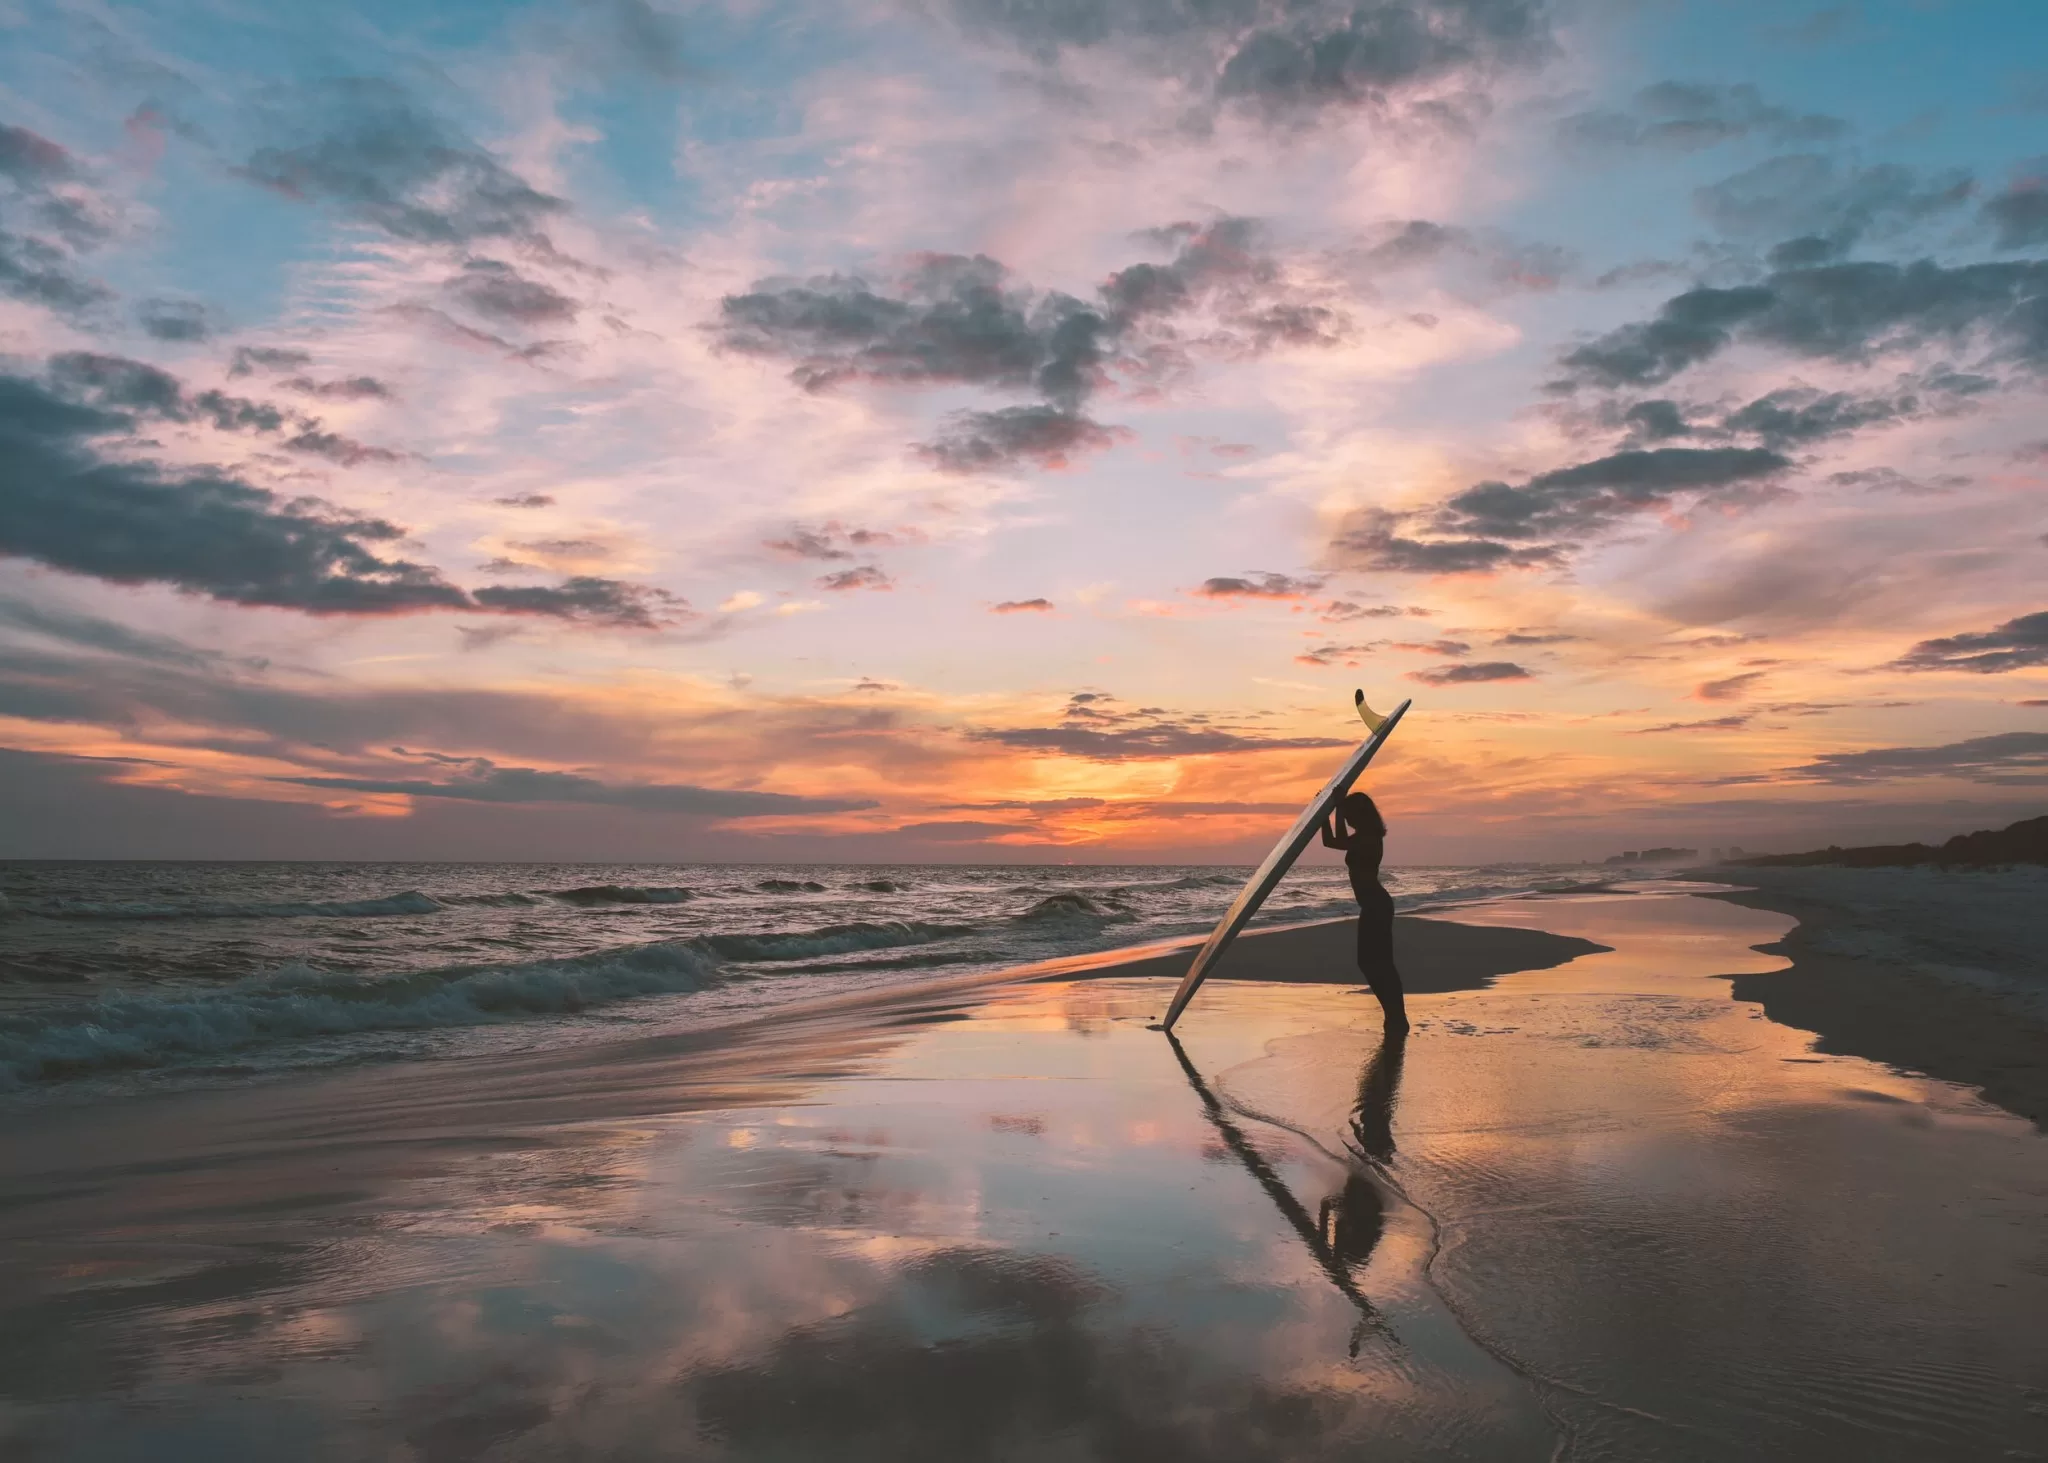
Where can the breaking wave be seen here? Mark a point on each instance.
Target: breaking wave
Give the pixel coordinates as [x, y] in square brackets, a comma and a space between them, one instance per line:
[85, 1038]
[622, 894]
[832, 940]
[410, 902]
[791, 886]
[1070, 906]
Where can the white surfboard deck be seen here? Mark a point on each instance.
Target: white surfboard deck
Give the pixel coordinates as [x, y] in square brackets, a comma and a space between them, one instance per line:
[1281, 859]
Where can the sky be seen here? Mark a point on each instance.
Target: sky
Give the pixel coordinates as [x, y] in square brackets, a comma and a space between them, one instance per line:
[985, 430]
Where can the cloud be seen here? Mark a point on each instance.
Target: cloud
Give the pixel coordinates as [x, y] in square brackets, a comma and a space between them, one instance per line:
[585, 599]
[54, 217]
[67, 502]
[1677, 116]
[2012, 646]
[1023, 606]
[1543, 638]
[1287, 61]
[861, 576]
[177, 321]
[1337, 611]
[1840, 312]
[1370, 538]
[1719, 723]
[1732, 688]
[1460, 675]
[94, 633]
[991, 441]
[2010, 757]
[1480, 528]
[1794, 415]
[354, 388]
[1323, 656]
[250, 359]
[829, 542]
[1259, 585]
[1824, 206]
[525, 500]
[1147, 740]
[365, 147]
[958, 320]
[2020, 212]
[483, 781]
[1432, 647]
[499, 292]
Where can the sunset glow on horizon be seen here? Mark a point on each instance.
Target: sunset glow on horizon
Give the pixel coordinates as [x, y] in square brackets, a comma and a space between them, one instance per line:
[949, 430]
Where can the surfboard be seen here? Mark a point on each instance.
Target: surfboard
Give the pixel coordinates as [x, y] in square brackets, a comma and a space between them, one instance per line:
[1281, 859]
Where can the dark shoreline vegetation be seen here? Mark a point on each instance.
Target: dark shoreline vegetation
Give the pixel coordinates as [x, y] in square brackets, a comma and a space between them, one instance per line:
[2024, 842]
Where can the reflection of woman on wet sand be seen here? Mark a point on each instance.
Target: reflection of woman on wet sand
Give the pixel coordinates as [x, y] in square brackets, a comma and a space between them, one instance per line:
[1354, 1217]
[1357, 828]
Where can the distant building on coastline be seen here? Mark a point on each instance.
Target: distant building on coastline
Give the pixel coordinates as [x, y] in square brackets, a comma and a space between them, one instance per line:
[1656, 856]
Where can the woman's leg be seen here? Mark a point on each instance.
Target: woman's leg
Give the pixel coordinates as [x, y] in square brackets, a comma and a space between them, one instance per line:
[1376, 964]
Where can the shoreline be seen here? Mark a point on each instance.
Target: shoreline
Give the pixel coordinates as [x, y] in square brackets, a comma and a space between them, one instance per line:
[1873, 976]
[1002, 1216]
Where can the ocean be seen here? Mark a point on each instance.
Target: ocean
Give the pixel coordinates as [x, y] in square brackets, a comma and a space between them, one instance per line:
[116, 977]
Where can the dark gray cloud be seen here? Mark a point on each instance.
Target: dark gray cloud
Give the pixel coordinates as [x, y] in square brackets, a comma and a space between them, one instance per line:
[1494, 525]
[352, 388]
[1023, 606]
[1730, 688]
[1573, 502]
[64, 503]
[588, 600]
[1679, 116]
[1463, 675]
[1823, 207]
[1719, 723]
[2010, 757]
[1324, 656]
[958, 320]
[1260, 585]
[1433, 647]
[483, 781]
[1548, 637]
[52, 218]
[1840, 312]
[31, 160]
[2020, 212]
[93, 633]
[861, 576]
[1047, 437]
[174, 320]
[496, 290]
[1285, 59]
[249, 359]
[1794, 415]
[2014, 645]
[1372, 538]
[829, 542]
[1337, 611]
[525, 500]
[70, 499]
[368, 148]
[1142, 742]
[135, 386]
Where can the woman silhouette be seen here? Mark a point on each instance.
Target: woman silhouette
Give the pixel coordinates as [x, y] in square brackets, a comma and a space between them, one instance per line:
[1357, 828]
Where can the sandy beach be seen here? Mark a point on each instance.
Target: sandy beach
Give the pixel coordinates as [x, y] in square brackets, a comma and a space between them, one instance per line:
[1593, 1208]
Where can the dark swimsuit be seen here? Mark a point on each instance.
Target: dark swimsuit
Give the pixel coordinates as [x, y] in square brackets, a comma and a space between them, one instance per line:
[1375, 913]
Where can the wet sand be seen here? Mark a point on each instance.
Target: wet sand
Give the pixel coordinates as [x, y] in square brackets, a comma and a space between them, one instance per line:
[1953, 982]
[1594, 1210]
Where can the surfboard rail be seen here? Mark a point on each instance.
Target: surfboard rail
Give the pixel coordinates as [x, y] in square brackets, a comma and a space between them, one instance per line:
[1279, 861]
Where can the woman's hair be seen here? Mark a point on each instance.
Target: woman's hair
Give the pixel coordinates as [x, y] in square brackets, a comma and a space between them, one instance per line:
[1363, 814]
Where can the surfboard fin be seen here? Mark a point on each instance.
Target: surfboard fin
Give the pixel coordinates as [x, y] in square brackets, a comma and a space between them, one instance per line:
[1372, 719]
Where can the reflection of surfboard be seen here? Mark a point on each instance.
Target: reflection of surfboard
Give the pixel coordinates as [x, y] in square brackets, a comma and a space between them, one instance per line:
[1282, 858]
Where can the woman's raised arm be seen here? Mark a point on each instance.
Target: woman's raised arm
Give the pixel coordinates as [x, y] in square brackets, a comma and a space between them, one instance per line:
[1333, 833]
